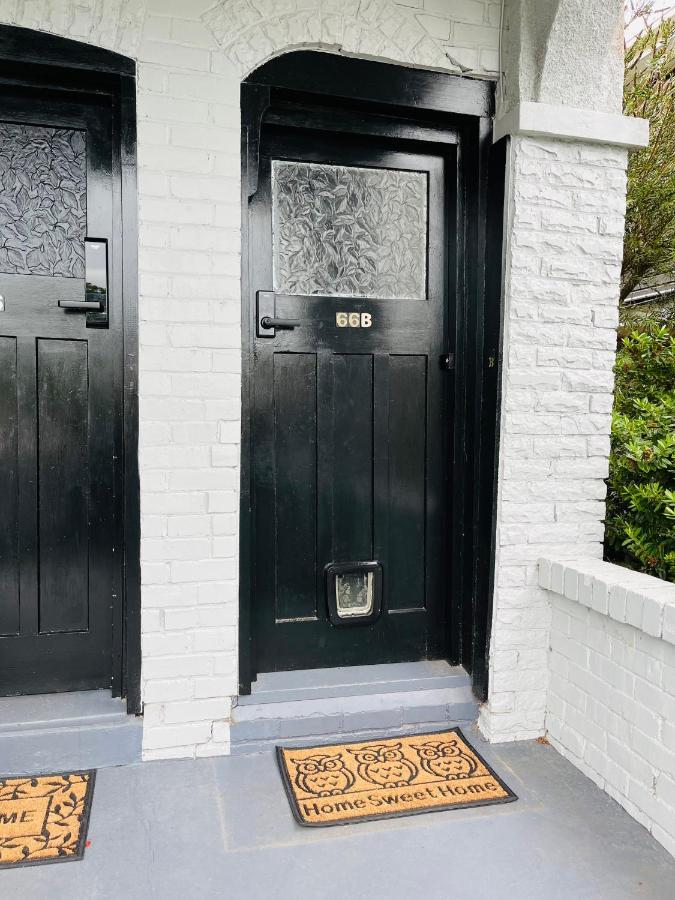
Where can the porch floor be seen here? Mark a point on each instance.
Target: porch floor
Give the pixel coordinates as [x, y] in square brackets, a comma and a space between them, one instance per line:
[222, 828]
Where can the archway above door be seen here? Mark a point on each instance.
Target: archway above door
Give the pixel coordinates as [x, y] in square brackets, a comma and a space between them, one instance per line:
[251, 34]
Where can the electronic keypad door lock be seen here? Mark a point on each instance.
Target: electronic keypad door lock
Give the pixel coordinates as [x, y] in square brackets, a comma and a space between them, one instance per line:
[266, 321]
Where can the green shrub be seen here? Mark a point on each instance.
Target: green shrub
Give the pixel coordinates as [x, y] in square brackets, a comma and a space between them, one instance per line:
[640, 524]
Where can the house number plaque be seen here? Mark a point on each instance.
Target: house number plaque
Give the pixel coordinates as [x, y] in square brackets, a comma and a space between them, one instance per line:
[353, 320]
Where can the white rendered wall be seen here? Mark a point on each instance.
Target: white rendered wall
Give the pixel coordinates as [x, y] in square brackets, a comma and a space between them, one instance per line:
[566, 204]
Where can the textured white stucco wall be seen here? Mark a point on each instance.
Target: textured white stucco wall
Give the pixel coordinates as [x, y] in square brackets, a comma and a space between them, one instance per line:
[563, 52]
[566, 205]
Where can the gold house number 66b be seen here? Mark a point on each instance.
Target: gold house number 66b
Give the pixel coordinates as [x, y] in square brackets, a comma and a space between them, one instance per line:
[353, 320]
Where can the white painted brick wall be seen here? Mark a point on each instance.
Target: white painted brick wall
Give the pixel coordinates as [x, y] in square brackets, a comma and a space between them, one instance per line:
[190, 338]
[565, 205]
[566, 202]
[611, 696]
[189, 260]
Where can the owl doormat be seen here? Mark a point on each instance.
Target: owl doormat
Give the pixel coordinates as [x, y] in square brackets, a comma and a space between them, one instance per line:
[384, 778]
[44, 819]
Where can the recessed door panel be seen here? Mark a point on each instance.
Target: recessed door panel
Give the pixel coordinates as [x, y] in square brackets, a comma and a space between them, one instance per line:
[63, 485]
[352, 451]
[295, 484]
[407, 434]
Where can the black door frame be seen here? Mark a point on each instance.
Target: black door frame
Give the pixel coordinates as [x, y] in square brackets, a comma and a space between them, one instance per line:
[33, 58]
[311, 78]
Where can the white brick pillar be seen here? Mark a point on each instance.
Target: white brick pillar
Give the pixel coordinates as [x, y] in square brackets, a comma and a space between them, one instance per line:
[564, 236]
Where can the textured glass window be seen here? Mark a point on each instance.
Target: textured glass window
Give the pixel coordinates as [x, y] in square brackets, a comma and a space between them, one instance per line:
[354, 594]
[345, 231]
[43, 200]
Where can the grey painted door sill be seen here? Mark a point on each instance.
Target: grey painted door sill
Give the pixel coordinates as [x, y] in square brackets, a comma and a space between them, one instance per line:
[352, 703]
[69, 731]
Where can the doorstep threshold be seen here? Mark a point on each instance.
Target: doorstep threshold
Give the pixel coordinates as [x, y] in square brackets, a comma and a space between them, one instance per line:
[351, 703]
[348, 681]
[70, 731]
[59, 710]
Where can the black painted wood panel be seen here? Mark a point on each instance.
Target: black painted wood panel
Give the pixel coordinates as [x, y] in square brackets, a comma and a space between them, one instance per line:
[407, 433]
[352, 451]
[9, 490]
[63, 485]
[295, 484]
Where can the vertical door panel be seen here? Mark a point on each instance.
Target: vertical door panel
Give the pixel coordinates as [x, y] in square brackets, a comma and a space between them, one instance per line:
[63, 484]
[9, 496]
[407, 429]
[295, 484]
[352, 449]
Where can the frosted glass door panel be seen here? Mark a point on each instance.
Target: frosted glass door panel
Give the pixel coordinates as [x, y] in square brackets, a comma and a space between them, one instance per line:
[43, 200]
[345, 231]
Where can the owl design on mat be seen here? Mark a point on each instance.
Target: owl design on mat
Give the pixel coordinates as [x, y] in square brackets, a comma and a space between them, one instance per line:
[384, 765]
[445, 759]
[322, 774]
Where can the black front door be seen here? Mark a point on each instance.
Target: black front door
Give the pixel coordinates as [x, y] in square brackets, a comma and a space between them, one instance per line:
[350, 446]
[60, 392]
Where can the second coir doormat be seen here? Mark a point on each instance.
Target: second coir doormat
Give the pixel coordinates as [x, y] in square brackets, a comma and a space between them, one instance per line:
[379, 779]
[44, 818]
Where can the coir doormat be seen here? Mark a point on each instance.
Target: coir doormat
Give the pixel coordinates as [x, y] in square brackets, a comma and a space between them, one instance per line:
[44, 818]
[379, 779]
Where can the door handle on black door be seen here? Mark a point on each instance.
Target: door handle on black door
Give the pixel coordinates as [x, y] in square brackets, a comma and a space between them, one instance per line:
[269, 322]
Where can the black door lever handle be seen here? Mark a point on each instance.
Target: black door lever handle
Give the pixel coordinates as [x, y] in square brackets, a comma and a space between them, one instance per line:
[269, 322]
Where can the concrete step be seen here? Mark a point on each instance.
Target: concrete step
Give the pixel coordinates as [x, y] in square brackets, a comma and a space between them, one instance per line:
[342, 707]
[307, 684]
[57, 732]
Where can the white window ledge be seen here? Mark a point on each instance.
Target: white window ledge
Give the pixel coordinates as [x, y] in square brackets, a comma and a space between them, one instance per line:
[642, 601]
[571, 124]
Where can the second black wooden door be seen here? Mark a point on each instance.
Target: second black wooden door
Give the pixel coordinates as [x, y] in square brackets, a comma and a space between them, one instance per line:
[351, 313]
[60, 392]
